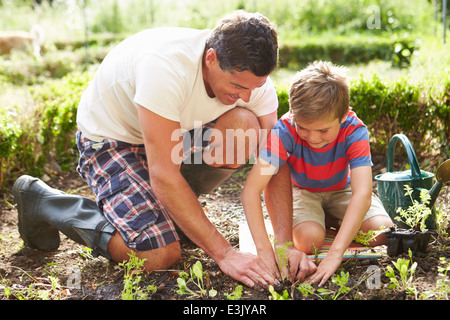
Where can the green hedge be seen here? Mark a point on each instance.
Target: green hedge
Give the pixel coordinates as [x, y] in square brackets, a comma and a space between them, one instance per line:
[43, 139]
[346, 50]
[388, 108]
[30, 141]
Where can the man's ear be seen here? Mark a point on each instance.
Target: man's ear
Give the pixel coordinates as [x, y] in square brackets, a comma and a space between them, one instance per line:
[210, 56]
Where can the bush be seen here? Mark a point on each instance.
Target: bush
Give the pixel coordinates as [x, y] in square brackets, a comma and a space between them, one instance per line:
[10, 133]
[22, 68]
[346, 50]
[400, 107]
[45, 136]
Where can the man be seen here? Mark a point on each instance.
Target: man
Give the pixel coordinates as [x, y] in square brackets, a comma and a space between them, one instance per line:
[153, 85]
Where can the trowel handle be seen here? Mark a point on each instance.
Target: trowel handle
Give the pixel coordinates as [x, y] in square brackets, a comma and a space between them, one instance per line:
[415, 170]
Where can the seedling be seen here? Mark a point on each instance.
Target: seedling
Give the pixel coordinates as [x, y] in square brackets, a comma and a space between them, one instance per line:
[196, 277]
[305, 289]
[283, 261]
[415, 215]
[315, 252]
[237, 293]
[132, 279]
[85, 252]
[276, 296]
[441, 292]
[442, 287]
[52, 289]
[341, 281]
[442, 221]
[365, 238]
[406, 280]
[327, 294]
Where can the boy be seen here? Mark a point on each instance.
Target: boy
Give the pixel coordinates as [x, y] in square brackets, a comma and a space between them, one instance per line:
[326, 148]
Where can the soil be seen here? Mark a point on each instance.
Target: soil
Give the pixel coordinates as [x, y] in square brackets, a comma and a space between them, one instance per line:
[25, 272]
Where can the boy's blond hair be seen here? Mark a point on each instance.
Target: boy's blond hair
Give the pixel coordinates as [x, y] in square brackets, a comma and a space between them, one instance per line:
[320, 90]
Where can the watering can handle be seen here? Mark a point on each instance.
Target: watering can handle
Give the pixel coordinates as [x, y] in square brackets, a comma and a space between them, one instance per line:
[415, 170]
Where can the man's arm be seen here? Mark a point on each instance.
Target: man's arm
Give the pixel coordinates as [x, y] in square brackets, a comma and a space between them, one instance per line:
[255, 183]
[175, 194]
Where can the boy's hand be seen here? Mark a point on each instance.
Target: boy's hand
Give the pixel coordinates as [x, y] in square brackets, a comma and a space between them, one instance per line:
[326, 269]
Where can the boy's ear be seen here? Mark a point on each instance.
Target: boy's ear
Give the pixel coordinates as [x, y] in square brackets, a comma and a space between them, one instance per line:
[291, 115]
[345, 115]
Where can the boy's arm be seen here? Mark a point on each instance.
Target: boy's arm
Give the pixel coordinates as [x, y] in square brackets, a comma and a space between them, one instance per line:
[278, 199]
[256, 182]
[361, 184]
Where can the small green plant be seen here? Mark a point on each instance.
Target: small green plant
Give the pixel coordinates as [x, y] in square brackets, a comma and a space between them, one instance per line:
[365, 238]
[340, 280]
[85, 252]
[276, 296]
[306, 289]
[283, 261]
[196, 277]
[442, 220]
[442, 289]
[442, 286]
[416, 214]
[237, 293]
[132, 278]
[315, 252]
[405, 281]
[48, 288]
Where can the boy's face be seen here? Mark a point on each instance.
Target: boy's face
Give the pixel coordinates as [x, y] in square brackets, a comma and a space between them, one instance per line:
[319, 133]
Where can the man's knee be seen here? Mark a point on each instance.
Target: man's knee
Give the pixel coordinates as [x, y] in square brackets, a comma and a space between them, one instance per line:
[161, 258]
[236, 136]
[156, 259]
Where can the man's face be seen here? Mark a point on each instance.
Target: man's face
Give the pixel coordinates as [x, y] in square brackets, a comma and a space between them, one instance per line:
[228, 86]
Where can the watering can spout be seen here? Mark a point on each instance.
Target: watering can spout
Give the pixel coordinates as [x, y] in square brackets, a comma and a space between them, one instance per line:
[442, 177]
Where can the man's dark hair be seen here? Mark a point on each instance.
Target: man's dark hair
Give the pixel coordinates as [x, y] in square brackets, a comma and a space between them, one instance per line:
[245, 42]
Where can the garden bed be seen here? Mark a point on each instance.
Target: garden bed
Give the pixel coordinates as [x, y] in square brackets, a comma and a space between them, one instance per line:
[69, 273]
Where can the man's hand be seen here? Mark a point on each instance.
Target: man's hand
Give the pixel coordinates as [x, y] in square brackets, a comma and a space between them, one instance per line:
[298, 263]
[246, 268]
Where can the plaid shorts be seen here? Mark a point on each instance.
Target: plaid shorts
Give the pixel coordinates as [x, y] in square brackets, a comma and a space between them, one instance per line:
[117, 173]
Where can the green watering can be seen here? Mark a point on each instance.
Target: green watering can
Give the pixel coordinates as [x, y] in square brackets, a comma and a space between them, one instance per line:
[391, 185]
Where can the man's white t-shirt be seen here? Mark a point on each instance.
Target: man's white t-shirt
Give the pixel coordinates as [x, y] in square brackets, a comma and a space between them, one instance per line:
[161, 70]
